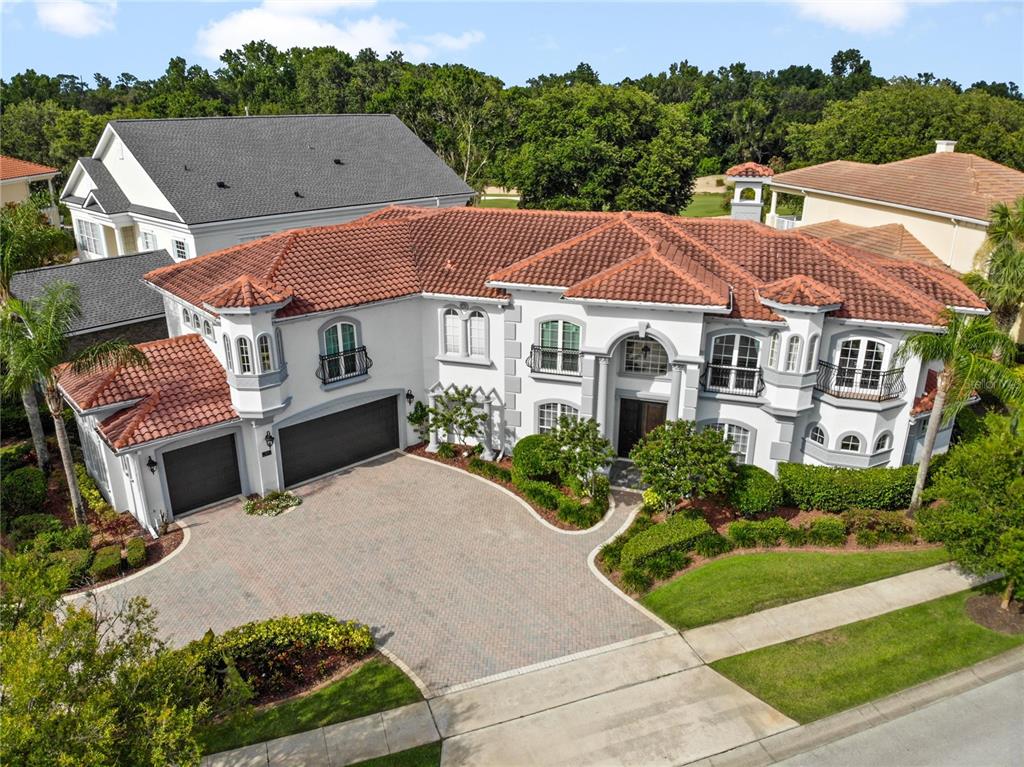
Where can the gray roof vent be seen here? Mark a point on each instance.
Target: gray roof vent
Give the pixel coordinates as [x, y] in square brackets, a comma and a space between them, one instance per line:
[299, 194]
[222, 185]
[338, 162]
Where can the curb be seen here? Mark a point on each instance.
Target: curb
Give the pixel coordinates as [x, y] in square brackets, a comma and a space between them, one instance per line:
[807, 737]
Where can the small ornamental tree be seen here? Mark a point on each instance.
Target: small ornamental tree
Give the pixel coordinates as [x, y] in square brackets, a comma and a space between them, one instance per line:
[457, 414]
[979, 509]
[578, 452]
[677, 461]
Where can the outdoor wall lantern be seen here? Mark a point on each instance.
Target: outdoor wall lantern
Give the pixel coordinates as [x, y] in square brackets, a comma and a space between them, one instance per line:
[151, 465]
[409, 396]
[269, 439]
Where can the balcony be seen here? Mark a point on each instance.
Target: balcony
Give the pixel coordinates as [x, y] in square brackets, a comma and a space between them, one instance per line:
[730, 379]
[555, 361]
[341, 365]
[867, 384]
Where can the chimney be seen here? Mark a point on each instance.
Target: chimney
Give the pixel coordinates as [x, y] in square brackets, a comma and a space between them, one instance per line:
[945, 146]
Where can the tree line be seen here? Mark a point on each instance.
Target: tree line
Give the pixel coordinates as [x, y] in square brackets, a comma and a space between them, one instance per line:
[565, 140]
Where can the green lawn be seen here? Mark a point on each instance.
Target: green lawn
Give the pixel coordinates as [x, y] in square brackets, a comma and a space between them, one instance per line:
[747, 583]
[421, 756]
[705, 204]
[819, 675]
[375, 686]
[500, 202]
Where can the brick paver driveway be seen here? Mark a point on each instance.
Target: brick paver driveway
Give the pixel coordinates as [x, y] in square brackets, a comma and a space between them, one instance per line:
[455, 577]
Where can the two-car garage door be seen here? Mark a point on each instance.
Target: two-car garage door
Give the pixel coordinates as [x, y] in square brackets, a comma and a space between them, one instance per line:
[321, 445]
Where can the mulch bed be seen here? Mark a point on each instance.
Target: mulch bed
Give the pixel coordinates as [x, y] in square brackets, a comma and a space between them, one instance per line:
[156, 549]
[320, 669]
[461, 462]
[984, 610]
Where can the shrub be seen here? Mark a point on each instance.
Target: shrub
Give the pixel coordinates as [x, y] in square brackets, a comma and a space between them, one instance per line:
[24, 491]
[14, 457]
[712, 545]
[651, 502]
[770, 532]
[755, 491]
[91, 494]
[489, 469]
[677, 533]
[827, 531]
[543, 494]
[446, 450]
[666, 564]
[831, 489]
[273, 503]
[76, 561]
[795, 536]
[106, 564]
[611, 552]
[27, 527]
[57, 539]
[868, 538]
[873, 527]
[635, 580]
[741, 533]
[135, 553]
[577, 451]
[530, 456]
[590, 513]
[678, 461]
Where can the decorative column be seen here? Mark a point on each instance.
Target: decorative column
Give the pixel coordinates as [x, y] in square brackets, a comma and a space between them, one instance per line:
[675, 392]
[601, 411]
[691, 391]
[775, 202]
[432, 433]
[488, 454]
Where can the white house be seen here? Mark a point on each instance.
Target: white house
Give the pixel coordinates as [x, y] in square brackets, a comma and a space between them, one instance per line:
[191, 186]
[303, 352]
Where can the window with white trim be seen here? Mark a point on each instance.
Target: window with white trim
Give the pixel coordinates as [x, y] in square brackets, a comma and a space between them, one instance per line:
[644, 356]
[180, 249]
[195, 321]
[773, 349]
[228, 363]
[559, 346]
[186, 318]
[208, 329]
[452, 332]
[884, 442]
[850, 443]
[263, 352]
[793, 354]
[464, 333]
[89, 237]
[860, 363]
[734, 362]
[549, 413]
[812, 353]
[477, 331]
[816, 434]
[147, 240]
[340, 344]
[244, 356]
[739, 439]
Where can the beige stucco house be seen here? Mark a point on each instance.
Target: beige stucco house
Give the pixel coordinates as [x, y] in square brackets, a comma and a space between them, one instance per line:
[16, 177]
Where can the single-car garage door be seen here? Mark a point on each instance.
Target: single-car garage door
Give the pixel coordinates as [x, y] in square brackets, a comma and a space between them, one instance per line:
[321, 445]
[202, 473]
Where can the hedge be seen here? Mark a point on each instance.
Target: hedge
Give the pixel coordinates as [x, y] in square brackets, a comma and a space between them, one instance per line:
[14, 456]
[106, 564]
[24, 491]
[135, 553]
[91, 494]
[755, 491]
[77, 562]
[827, 531]
[831, 489]
[528, 456]
[678, 533]
[28, 526]
[57, 538]
[874, 527]
[489, 469]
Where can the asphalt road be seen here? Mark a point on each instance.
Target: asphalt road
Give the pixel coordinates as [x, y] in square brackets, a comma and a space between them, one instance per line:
[983, 727]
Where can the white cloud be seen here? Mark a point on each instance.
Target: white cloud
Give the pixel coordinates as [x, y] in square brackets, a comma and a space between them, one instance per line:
[76, 18]
[306, 23]
[855, 15]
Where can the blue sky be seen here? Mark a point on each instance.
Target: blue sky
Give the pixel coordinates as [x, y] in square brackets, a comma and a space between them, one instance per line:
[964, 41]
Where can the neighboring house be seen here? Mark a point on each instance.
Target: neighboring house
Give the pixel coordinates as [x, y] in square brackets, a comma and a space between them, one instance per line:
[304, 352]
[16, 177]
[114, 300]
[943, 199]
[195, 185]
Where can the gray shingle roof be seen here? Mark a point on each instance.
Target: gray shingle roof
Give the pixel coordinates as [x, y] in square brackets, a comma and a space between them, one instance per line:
[284, 164]
[107, 193]
[111, 290]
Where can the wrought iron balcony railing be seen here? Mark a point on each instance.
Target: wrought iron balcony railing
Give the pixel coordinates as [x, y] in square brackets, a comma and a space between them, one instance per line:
[342, 365]
[860, 383]
[730, 379]
[555, 361]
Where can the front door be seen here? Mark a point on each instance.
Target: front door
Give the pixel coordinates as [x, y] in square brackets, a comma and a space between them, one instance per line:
[636, 418]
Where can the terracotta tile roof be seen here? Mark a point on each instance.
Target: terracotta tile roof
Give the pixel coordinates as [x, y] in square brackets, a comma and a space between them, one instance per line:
[638, 257]
[184, 388]
[12, 167]
[890, 240]
[954, 183]
[926, 401]
[800, 290]
[246, 291]
[750, 170]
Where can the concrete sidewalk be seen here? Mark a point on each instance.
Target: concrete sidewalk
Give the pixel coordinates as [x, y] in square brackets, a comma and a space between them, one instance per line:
[828, 611]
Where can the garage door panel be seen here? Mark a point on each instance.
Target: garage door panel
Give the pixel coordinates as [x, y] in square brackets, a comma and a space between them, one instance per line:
[322, 445]
[201, 474]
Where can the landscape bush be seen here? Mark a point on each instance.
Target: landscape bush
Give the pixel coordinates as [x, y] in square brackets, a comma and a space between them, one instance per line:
[611, 552]
[795, 535]
[678, 533]
[827, 531]
[770, 532]
[58, 538]
[589, 513]
[25, 528]
[272, 504]
[665, 564]
[636, 580]
[755, 491]
[91, 494]
[106, 563]
[874, 527]
[135, 553]
[489, 469]
[537, 491]
[23, 491]
[14, 456]
[76, 561]
[530, 457]
[712, 545]
[831, 489]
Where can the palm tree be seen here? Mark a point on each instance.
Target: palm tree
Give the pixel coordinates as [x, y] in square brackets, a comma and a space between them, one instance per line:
[974, 354]
[1000, 279]
[33, 347]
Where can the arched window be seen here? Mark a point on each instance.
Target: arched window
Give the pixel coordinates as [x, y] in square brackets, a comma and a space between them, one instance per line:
[773, 349]
[644, 356]
[477, 328]
[812, 353]
[884, 442]
[227, 353]
[548, 414]
[734, 363]
[860, 363]
[816, 434]
[207, 329]
[793, 354]
[559, 347]
[850, 443]
[186, 318]
[739, 439]
[452, 328]
[341, 356]
[244, 356]
[195, 321]
[266, 357]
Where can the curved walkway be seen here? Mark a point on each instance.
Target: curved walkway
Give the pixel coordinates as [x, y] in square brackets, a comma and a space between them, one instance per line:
[456, 577]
